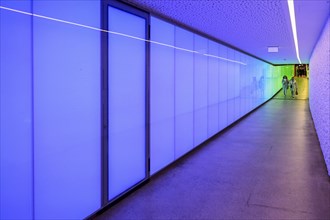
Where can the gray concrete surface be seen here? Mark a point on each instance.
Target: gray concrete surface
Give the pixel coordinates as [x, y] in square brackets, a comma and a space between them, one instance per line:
[268, 166]
[319, 103]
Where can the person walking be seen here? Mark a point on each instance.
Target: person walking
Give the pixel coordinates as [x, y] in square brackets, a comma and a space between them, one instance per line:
[293, 87]
[285, 84]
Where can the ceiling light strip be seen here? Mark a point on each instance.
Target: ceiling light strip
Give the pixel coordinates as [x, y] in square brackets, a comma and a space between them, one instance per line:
[115, 33]
[294, 27]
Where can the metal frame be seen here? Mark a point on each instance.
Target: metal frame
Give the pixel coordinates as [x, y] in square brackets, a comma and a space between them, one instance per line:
[104, 98]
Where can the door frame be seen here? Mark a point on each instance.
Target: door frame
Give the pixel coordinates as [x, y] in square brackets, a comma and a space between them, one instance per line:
[104, 99]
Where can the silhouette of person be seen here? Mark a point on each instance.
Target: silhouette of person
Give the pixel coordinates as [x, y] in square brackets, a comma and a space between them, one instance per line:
[285, 84]
[293, 86]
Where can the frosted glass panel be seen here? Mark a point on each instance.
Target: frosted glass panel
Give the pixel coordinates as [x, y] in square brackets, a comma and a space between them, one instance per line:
[222, 90]
[67, 110]
[244, 87]
[250, 84]
[231, 88]
[184, 89]
[127, 107]
[213, 89]
[161, 95]
[16, 195]
[236, 78]
[200, 90]
[223, 93]
[193, 96]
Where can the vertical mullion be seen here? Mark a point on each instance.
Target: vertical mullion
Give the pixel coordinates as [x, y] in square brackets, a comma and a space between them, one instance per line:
[105, 4]
[104, 104]
[147, 99]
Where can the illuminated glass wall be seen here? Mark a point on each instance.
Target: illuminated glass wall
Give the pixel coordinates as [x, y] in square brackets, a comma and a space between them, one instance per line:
[66, 77]
[183, 96]
[50, 110]
[126, 102]
[16, 127]
[199, 87]
[162, 95]
[51, 102]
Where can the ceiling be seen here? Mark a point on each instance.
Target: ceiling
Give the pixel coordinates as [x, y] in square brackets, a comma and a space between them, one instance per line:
[250, 25]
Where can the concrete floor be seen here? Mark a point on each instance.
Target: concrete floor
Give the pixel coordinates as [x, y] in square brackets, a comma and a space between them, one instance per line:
[268, 166]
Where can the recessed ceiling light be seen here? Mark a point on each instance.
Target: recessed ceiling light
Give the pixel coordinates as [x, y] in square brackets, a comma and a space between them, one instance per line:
[294, 28]
[272, 49]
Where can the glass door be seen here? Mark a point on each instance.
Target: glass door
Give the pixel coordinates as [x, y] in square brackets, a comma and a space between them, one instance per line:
[127, 102]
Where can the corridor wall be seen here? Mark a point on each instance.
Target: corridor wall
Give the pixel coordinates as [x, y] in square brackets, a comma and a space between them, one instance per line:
[50, 110]
[199, 87]
[16, 142]
[319, 87]
[50, 103]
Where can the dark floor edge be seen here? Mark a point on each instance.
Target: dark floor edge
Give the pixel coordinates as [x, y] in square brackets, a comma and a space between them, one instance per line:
[119, 198]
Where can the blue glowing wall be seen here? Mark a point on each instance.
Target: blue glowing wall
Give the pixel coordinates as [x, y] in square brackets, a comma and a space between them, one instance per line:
[50, 110]
[183, 96]
[126, 105]
[199, 87]
[162, 96]
[50, 103]
[16, 126]
[66, 110]
[212, 89]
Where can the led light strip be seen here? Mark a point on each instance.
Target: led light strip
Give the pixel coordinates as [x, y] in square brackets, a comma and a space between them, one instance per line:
[115, 33]
[222, 58]
[294, 27]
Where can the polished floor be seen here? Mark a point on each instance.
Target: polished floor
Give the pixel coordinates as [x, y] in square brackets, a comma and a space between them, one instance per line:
[268, 166]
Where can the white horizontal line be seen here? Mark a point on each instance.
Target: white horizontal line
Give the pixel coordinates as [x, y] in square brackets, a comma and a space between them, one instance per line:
[115, 33]
[222, 58]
